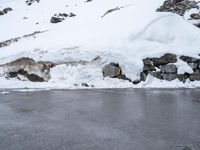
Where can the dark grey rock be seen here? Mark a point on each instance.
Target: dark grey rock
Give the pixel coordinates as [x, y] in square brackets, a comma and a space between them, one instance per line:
[32, 77]
[188, 59]
[56, 19]
[197, 70]
[169, 76]
[177, 6]
[156, 74]
[193, 65]
[170, 68]
[182, 77]
[195, 77]
[167, 58]
[143, 76]
[111, 70]
[85, 85]
[6, 10]
[195, 16]
[147, 61]
[149, 68]
[1, 13]
[136, 81]
[72, 15]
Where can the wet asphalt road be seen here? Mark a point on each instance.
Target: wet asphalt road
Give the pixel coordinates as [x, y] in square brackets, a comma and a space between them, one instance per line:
[132, 119]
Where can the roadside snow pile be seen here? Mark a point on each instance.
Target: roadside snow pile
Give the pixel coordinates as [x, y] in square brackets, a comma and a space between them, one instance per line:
[82, 48]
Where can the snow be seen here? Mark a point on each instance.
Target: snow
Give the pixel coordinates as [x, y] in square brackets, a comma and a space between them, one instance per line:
[125, 36]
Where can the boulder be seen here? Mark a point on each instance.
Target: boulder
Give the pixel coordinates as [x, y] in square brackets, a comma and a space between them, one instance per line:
[143, 76]
[182, 77]
[195, 16]
[193, 65]
[34, 71]
[1, 13]
[6, 10]
[112, 70]
[188, 59]
[167, 58]
[56, 19]
[156, 74]
[72, 15]
[170, 68]
[148, 66]
[195, 77]
[169, 76]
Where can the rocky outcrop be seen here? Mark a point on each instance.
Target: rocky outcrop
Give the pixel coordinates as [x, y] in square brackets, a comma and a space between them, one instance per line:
[13, 40]
[5, 11]
[164, 68]
[177, 6]
[30, 2]
[32, 70]
[60, 17]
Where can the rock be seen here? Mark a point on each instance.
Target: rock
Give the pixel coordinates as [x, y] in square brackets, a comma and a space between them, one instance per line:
[169, 76]
[1, 13]
[85, 85]
[197, 71]
[182, 77]
[156, 74]
[167, 58]
[193, 65]
[195, 16]
[31, 77]
[56, 19]
[177, 6]
[34, 71]
[112, 70]
[136, 81]
[170, 68]
[72, 15]
[6, 10]
[195, 77]
[148, 66]
[188, 59]
[143, 76]
[147, 61]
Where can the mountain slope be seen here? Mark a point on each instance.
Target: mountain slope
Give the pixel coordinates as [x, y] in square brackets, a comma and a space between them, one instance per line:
[122, 31]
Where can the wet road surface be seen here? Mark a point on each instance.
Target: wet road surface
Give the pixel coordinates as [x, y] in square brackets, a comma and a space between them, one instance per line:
[132, 119]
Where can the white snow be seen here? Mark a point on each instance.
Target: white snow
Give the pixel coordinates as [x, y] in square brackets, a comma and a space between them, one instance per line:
[125, 36]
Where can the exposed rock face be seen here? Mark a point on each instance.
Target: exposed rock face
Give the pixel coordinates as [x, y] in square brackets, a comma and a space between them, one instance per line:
[5, 11]
[168, 70]
[56, 19]
[177, 6]
[10, 41]
[60, 17]
[30, 2]
[34, 71]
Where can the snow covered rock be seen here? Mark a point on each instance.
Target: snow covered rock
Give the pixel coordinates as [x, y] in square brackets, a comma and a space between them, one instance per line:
[177, 6]
[34, 71]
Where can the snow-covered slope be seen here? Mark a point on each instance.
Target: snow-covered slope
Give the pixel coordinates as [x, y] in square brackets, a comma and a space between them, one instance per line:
[126, 36]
